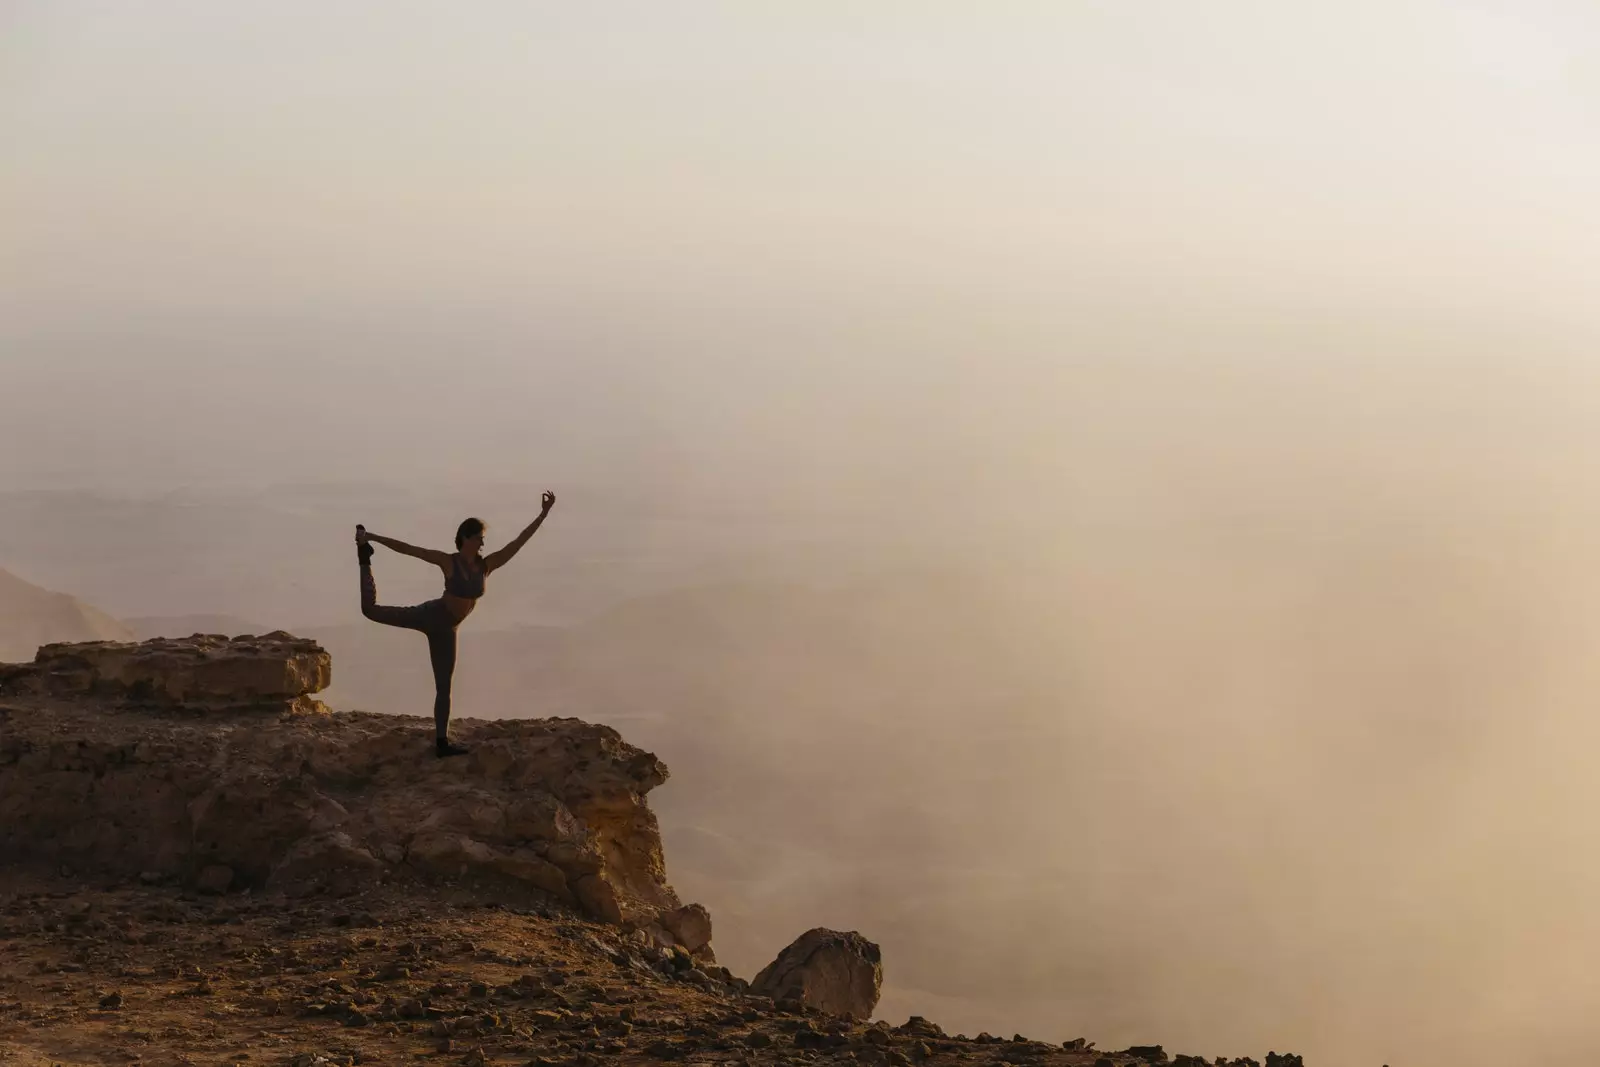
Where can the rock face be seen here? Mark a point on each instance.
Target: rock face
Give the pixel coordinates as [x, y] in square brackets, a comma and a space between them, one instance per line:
[106, 766]
[839, 973]
[203, 672]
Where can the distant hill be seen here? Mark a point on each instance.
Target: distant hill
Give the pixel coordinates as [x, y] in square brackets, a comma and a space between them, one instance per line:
[31, 616]
[147, 626]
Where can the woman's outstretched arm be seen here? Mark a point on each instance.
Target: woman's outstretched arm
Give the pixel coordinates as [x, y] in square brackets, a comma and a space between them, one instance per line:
[437, 558]
[495, 560]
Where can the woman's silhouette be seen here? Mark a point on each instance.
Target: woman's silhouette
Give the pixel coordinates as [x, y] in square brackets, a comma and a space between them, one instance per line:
[464, 572]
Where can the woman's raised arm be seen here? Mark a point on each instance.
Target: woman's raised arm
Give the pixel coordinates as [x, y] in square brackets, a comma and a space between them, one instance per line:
[433, 556]
[495, 560]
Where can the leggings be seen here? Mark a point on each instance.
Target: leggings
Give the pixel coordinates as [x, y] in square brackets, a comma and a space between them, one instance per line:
[435, 621]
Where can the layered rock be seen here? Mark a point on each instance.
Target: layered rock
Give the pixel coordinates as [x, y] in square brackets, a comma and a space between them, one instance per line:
[105, 767]
[834, 972]
[203, 672]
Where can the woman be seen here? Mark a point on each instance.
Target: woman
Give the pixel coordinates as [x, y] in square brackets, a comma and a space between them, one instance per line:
[464, 572]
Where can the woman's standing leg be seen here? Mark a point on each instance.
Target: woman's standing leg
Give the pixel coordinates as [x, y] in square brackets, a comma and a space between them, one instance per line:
[442, 651]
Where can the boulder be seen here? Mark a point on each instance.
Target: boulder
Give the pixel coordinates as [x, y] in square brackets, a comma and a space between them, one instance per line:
[690, 926]
[834, 972]
[104, 767]
[214, 878]
[322, 861]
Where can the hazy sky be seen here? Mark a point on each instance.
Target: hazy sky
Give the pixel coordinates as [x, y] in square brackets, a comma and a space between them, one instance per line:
[547, 240]
[1315, 278]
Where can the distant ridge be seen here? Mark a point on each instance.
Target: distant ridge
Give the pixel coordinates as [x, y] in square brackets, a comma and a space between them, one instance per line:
[31, 616]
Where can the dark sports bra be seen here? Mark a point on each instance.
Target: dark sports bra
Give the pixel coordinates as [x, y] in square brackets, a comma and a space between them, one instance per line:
[462, 582]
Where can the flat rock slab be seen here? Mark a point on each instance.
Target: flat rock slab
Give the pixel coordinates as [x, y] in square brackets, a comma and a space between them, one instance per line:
[203, 672]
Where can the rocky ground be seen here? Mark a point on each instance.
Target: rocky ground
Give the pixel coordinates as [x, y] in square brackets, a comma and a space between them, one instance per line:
[125, 972]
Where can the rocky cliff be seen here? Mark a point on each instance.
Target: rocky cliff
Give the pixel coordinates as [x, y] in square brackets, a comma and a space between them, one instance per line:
[508, 904]
[209, 759]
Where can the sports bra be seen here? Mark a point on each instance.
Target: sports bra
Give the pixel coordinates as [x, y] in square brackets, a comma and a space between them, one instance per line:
[462, 582]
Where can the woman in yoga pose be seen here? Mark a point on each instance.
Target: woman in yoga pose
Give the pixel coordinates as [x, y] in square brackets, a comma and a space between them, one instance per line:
[464, 572]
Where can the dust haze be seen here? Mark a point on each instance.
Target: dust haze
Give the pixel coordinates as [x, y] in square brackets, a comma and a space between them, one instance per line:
[1100, 502]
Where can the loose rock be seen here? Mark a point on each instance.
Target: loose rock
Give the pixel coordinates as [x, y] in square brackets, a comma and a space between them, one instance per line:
[834, 972]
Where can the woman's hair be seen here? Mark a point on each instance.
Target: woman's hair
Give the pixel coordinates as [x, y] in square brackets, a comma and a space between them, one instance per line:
[470, 528]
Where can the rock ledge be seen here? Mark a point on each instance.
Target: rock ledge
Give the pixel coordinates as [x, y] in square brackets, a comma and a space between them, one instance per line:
[105, 767]
[206, 672]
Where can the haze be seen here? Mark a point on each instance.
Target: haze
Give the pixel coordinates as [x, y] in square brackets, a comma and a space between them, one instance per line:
[1097, 496]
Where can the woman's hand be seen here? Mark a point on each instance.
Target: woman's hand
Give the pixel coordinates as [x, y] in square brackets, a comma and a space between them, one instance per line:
[549, 500]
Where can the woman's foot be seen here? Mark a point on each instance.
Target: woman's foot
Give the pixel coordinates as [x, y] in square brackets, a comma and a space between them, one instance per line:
[363, 547]
[443, 748]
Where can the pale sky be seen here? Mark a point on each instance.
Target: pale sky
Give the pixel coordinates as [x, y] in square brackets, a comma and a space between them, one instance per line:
[1303, 294]
[602, 228]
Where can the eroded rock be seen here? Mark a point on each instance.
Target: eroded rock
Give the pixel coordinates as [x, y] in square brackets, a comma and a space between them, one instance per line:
[97, 773]
[690, 926]
[214, 878]
[839, 973]
[203, 672]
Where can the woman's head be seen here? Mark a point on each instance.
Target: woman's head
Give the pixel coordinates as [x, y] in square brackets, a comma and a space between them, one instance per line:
[469, 535]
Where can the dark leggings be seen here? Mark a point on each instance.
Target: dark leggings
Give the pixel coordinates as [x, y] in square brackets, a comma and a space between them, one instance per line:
[432, 619]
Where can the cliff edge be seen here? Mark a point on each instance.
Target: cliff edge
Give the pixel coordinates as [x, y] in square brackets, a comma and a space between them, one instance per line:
[209, 760]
